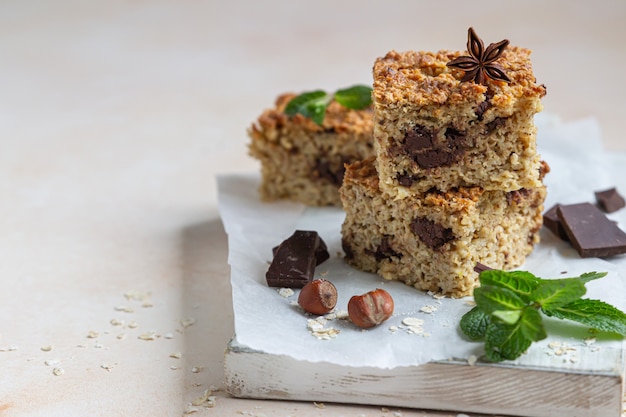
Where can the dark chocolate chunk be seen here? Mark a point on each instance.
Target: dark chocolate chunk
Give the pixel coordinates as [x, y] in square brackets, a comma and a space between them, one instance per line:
[517, 196]
[553, 223]
[494, 124]
[479, 267]
[591, 233]
[295, 260]
[610, 200]
[420, 144]
[323, 169]
[432, 234]
[481, 109]
[384, 250]
[347, 249]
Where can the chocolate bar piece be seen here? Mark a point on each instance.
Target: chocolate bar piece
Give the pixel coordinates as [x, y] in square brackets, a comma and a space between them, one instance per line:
[591, 233]
[552, 222]
[610, 200]
[295, 260]
[321, 254]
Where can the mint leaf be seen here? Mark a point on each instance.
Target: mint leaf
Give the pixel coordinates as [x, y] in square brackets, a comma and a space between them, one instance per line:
[590, 276]
[490, 298]
[554, 293]
[508, 316]
[474, 323]
[593, 313]
[520, 282]
[531, 325]
[357, 97]
[505, 341]
[312, 104]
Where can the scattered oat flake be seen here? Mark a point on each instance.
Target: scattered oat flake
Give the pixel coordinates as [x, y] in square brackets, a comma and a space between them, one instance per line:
[285, 292]
[471, 360]
[428, 309]
[8, 349]
[52, 362]
[121, 336]
[590, 341]
[58, 371]
[207, 399]
[47, 348]
[147, 336]
[92, 334]
[319, 405]
[133, 324]
[124, 309]
[136, 295]
[107, 367]
[168, 335]
[176, 355]
[187, 322]
[116, 322]
[174, 368]
[317, 329]
[196, 369]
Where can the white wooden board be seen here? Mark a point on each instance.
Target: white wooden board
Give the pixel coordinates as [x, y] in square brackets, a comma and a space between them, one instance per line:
[518, 390]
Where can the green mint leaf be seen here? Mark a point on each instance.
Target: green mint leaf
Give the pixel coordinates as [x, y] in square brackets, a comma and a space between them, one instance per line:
[356, 97]
[312, 104]
[590, 276]
[508, 316]
[490, 298]
[531, 325]
[505, 341]
[520, 282]
[553, 293]
[593, 313]
[474, 323]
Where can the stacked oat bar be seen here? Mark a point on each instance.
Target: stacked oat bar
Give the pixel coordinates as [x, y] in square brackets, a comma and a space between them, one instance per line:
[456, 178]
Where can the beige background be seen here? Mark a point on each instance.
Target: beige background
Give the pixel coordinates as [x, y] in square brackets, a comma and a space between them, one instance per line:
[115, 118]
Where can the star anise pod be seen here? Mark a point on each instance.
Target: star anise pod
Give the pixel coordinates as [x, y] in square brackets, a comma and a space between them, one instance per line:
[481, 65]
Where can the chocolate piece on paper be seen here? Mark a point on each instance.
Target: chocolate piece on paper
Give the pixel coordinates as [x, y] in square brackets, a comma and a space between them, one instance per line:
[591, 233]
[553, 223]
[321, 254]
[295, 260]
[610, 200]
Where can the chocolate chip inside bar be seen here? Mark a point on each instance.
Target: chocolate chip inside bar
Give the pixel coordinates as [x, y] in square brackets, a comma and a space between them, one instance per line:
[420, 144]
[295, 260]
[553, 223]
[432, 234]
[610, 200]
[591, 233]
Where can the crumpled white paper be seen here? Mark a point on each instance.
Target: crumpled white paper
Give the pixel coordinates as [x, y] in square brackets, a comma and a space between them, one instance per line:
[266, 321]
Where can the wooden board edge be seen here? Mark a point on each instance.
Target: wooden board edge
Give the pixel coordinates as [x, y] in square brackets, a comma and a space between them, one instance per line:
[449, 386]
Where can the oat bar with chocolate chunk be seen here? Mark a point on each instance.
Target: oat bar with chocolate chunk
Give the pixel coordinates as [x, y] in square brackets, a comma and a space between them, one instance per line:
[433, 131]
[304, 162]
[434, 241]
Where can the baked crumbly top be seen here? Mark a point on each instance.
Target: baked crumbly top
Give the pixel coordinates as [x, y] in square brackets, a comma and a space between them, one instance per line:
[338, 118]
[422, 78]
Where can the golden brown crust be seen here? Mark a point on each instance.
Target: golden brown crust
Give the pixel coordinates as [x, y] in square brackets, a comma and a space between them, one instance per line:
[422, 78]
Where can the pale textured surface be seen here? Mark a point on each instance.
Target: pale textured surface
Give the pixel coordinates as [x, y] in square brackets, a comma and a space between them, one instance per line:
[116, 116]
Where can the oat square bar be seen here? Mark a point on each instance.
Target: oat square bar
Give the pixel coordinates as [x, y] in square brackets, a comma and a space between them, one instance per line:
[304, 162]
[432, 130]
[433, 241]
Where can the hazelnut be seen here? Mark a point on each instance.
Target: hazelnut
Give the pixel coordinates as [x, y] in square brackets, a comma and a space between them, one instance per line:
[370, 309]
[318, 297]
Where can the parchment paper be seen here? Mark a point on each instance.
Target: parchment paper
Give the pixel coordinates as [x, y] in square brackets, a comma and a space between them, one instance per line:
[268, 322]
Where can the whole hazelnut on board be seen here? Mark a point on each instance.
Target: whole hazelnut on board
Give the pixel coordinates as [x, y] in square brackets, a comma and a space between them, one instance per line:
[318, 297]
[370, 309]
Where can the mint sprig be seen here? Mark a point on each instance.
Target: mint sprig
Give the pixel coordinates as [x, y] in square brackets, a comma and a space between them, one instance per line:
[508, 318]
[313, 104]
